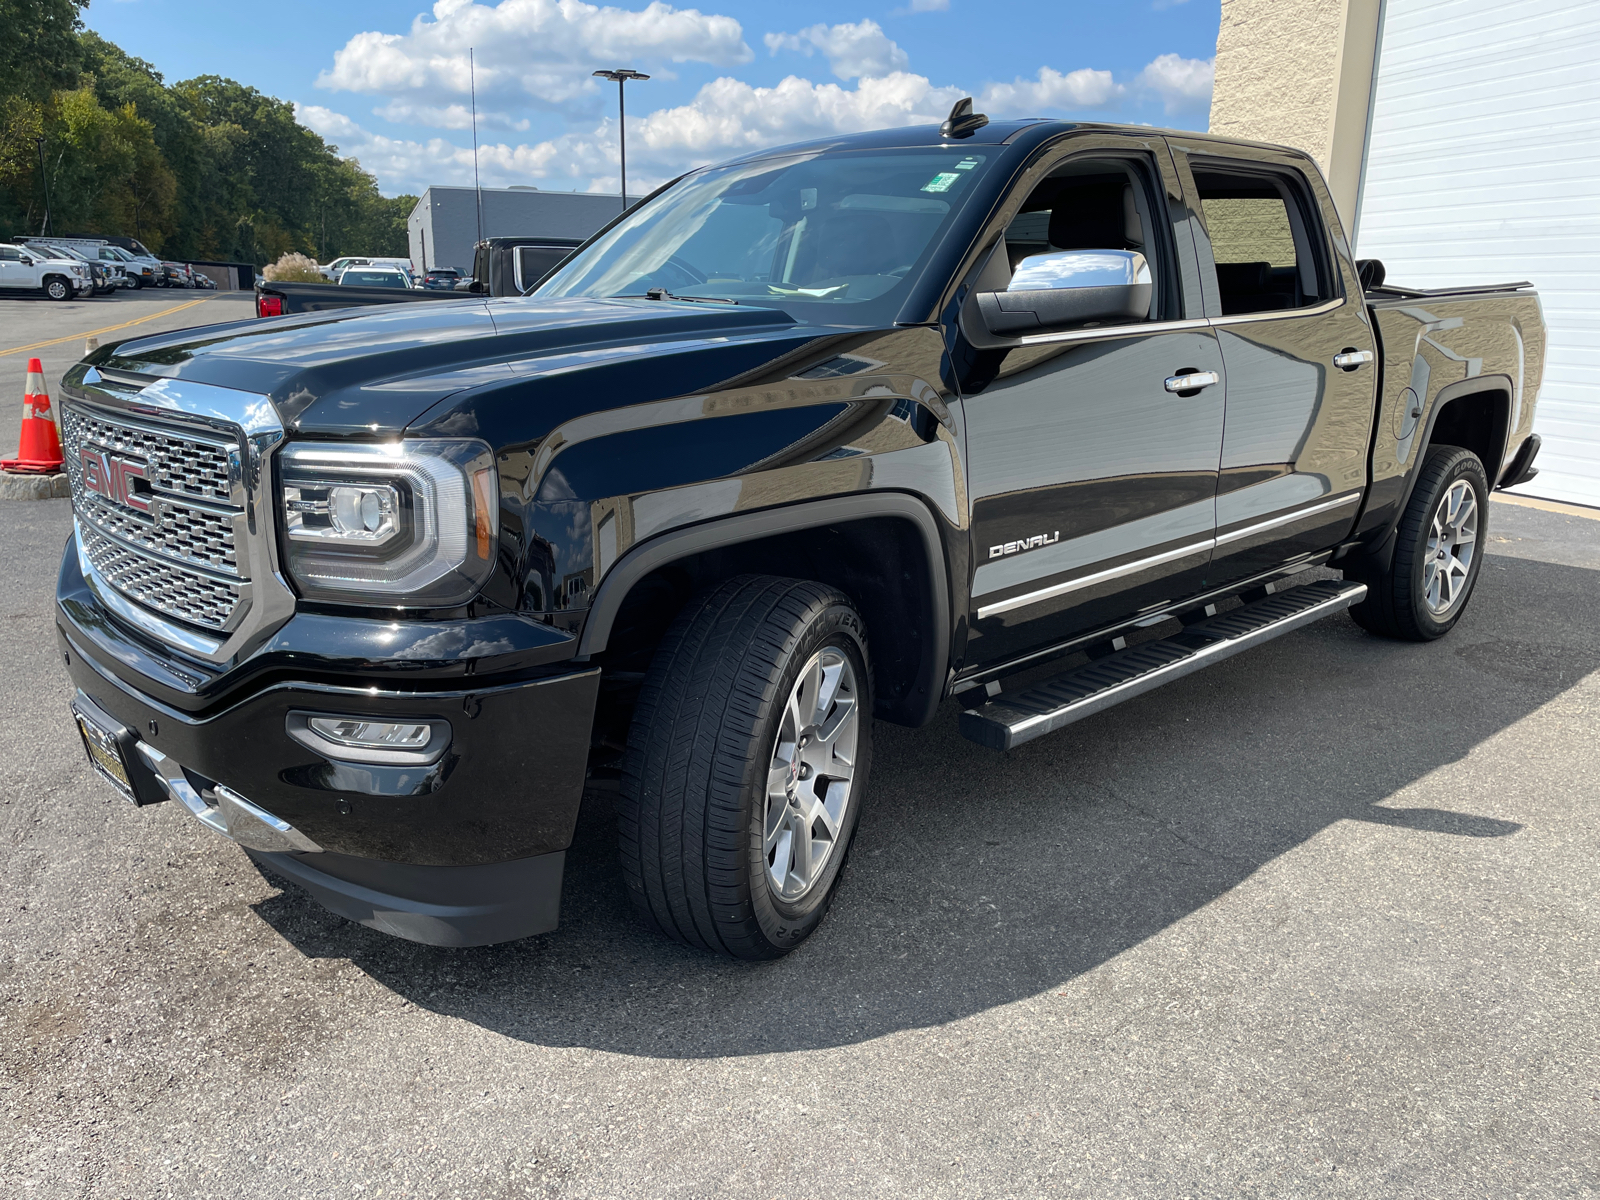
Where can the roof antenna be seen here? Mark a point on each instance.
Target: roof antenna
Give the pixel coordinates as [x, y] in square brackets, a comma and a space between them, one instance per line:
[962, 121]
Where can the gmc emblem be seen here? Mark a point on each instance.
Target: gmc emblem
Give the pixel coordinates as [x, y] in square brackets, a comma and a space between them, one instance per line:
[113, 478]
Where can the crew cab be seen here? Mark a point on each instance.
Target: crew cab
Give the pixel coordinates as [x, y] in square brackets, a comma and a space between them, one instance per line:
[826, 435]
[41, 269]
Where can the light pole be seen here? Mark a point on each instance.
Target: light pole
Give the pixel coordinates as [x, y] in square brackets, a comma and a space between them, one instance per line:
[44, 179]
[621, 77]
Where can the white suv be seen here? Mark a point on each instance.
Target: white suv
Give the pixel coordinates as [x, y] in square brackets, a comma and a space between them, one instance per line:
[24, 268]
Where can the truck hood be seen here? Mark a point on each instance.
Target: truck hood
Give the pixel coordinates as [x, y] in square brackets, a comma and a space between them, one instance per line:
[371, 371]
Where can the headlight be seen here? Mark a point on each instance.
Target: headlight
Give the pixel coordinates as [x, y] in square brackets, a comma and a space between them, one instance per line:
[408, 524]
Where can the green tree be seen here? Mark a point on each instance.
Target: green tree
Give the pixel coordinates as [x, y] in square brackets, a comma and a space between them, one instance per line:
[39, 49]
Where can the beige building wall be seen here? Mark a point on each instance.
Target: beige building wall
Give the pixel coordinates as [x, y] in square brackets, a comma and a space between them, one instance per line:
[1299, 73]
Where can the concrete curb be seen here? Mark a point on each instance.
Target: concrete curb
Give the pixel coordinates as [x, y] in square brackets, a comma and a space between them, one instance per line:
[33, 487]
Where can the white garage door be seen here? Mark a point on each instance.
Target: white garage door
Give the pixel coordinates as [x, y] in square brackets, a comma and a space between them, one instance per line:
[1483, 166]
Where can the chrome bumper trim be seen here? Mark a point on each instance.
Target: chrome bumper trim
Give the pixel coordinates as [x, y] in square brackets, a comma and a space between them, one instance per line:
[232, 816]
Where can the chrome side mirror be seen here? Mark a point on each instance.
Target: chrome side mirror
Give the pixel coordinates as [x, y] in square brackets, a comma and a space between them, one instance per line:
[1069, 287]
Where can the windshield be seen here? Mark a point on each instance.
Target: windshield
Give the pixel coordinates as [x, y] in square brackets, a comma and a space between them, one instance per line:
[829, 238]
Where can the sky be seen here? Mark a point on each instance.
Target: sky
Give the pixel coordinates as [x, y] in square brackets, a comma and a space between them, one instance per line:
[390, 83]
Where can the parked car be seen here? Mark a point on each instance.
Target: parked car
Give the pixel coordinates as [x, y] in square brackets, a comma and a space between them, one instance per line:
[141, 268]
[510, 266]
[818, 437]
[383, 277]
[43, 269]
[176, 274]
[331, 271]
[441, 279]
[102, 282]
[338, 266]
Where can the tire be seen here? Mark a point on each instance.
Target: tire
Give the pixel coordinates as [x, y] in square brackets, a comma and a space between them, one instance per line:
[1422, 595]
[713, 803]
[57, 288]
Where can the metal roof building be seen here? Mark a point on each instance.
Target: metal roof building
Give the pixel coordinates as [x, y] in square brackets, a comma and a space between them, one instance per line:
[443, 227]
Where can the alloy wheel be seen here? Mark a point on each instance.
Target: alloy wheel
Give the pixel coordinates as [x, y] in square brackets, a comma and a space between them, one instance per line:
[1452, 546]
[811, 780]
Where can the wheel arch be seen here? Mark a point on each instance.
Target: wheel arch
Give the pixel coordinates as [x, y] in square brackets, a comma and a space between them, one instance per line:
[1472, 413]
[883, 549]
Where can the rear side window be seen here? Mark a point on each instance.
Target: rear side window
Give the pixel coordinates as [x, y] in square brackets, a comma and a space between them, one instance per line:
[1265, 240]
[535, 262]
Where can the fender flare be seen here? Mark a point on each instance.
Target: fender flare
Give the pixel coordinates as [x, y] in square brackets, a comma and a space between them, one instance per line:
[732, 530]
[1383, 550]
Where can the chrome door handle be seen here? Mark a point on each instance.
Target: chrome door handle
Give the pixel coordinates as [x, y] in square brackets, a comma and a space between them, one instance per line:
[1191, 382]
[1349, 360]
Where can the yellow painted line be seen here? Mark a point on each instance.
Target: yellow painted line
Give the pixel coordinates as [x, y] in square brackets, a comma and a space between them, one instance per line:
[72, 337]
[1555, 506]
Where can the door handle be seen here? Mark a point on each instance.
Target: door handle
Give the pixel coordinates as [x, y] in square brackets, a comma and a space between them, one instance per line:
[1191, 382]
[1351, 358]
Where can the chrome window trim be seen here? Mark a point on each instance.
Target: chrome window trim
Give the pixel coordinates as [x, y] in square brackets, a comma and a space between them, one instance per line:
[1166, 556]
[244, 418]
[1279, 314]
[1112, 331]
[1116, 331]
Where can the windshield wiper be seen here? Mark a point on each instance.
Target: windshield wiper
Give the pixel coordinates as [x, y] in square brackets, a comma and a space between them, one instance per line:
[659, 293]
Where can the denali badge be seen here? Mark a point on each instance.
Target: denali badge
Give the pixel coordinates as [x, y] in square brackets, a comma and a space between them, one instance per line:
[113, 478]
[1037, 540]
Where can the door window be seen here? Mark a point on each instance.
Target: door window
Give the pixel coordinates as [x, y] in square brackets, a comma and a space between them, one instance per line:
[1089, 204]
[1264, 240]
[10, 254]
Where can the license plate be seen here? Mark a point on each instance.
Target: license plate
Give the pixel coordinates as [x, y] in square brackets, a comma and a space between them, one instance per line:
[105, 756]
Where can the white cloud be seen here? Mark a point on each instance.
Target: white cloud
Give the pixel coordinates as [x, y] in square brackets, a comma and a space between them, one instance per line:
[451, 116]
[527, 51]
[726, 117]
[1180, 82]
[857, 51]
[1084, 88]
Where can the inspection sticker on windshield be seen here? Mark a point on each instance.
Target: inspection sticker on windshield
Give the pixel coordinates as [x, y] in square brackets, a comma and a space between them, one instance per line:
[966, 164]
[941, 182]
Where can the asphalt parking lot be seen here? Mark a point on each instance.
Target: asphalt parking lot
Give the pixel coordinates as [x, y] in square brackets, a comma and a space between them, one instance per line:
[54, 333]
[1320, 921]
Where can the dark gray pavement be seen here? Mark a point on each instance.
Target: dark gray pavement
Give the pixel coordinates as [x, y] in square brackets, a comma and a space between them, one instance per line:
[34, 327]
[1318, 922]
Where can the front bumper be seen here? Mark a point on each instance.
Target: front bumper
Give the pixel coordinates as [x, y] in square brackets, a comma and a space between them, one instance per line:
[466, 850]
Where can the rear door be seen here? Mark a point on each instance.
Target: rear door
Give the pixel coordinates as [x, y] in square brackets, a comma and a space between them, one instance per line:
[12, 273]
[1092, 485]
[1295, 334]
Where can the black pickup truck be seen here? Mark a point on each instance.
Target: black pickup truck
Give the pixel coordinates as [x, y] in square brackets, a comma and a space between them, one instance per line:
[822, 435]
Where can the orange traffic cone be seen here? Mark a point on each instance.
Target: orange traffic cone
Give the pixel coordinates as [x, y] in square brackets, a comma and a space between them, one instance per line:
[39, 449]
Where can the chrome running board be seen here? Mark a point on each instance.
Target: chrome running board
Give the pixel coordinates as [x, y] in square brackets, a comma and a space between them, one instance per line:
[1011, 720]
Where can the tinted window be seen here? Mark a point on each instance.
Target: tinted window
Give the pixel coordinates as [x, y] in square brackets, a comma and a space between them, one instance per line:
[535, 262]
[1094, 204]
[1264, 241]
[833, 237]
[10, 254]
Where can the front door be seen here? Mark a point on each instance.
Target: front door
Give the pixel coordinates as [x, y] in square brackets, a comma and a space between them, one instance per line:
[1092, 485]
[1294, 332]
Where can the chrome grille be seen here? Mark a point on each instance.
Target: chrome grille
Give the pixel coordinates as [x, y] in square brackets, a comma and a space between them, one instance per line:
[180, 558]
[171, 591]
[178, 464]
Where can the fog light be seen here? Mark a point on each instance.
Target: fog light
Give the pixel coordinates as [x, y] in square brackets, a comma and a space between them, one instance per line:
[364, 740]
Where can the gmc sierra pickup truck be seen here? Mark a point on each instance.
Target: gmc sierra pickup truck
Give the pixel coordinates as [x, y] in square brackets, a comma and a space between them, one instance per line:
[824, 435]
